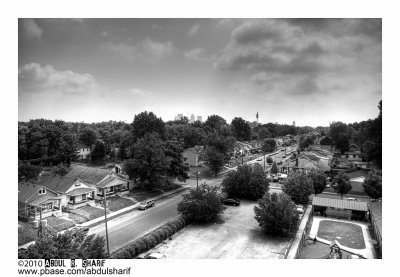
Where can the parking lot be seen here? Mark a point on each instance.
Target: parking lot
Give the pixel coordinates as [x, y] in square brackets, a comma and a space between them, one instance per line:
[235, 235]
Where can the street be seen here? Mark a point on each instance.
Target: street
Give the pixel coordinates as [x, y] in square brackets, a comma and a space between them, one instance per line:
[135, 224]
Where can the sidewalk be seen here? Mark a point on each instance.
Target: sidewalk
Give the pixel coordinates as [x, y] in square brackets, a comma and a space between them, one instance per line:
[114, 215]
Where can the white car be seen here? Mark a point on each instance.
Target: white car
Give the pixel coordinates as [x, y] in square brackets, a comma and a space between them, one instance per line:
[155, 255]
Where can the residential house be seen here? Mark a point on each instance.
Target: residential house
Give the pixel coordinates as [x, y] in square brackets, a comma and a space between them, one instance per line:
[36, 201]
[74, 192]
[192, 156]
[103, 180]
[83, 151]
[242, 149]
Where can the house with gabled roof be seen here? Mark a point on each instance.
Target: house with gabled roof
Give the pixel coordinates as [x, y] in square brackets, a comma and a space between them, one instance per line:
[83, 151]
[74, 192]
[35, 201]
[192, 156]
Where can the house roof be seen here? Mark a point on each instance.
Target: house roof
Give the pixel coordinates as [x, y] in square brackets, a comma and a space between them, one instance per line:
[340, 204]
[81, 146]
[111, 181]
[79, 191]
[56, 182]
[42, 199]
[195, 150]
[27, 189]
[376, 211]
[87, 174]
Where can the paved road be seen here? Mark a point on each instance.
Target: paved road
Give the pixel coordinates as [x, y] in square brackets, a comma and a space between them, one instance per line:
[133, 225]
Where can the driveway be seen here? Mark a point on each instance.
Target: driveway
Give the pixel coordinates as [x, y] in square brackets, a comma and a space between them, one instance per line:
[235, 235]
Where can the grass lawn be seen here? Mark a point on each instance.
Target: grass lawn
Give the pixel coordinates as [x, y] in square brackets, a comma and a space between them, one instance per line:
[26, 232]
[117, 203]
[347, 234]
[59, 223]
[92, 211]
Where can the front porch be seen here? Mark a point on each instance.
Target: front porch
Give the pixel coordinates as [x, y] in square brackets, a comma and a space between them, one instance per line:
[80, 197]
[39, 209]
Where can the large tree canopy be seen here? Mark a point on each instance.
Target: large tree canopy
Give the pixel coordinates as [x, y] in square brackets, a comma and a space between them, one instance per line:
[201, 204]
[299, 187]
[373, 186]
[318, 180]
[214, 159]
[146, 123]
[339, 133]
[241, 129]
[276, 214]
[247, 182]
[88, 136]
[269, 145]
[341, 183]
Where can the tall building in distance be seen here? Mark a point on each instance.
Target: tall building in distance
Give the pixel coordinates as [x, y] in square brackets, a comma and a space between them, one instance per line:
[179, 116]
[200, 118]
[257, 117]
[294, 123]
[192, 118]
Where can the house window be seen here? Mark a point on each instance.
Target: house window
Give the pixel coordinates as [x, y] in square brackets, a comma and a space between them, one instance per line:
[83, 196]
[42, 191]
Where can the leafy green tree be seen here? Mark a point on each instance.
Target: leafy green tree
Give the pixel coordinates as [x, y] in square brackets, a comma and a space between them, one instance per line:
[176, 166]
[274, 168]
[146, 123]
[149, 164]
[341, 183]
[99, 151]
[276, 214]
[340, 136]
[326, 141]
[373, 186]
[215, 122]
[299, 187]
[241, 129]
[304, 143]
[88, 136]
[247, 182]
[269, 145]
[263, 133]
[27, 171]
[75, 244]
[201, 204]
[214, 159]
[318, 180]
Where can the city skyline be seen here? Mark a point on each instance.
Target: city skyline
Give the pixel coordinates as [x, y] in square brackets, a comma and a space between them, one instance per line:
[313, 71]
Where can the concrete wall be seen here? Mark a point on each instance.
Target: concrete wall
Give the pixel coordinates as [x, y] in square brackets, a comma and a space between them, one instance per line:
[297, 242]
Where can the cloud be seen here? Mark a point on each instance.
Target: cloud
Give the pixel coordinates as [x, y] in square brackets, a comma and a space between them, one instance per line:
[29, 29]
[194, 30]
[302, 47]
[197, 54]
[39, 79]
[146, 49]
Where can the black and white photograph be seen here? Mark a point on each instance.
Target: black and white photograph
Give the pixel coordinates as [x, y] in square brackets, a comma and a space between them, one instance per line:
[197, 138]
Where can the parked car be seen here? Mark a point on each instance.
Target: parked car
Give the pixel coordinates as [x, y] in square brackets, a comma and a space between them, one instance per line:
[299, 209]
[146, 204]
[155, 255]
[328, 185]
[351, 198]
[259, 159]
[231, 201]
[80, 228]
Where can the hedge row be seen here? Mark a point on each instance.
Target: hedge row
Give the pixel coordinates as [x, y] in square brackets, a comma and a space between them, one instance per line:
[151, 239]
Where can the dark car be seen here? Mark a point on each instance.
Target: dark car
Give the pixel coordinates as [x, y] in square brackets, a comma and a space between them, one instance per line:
[230, 201]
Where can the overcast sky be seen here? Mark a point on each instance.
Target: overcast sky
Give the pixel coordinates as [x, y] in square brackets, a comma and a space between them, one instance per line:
[309, 71]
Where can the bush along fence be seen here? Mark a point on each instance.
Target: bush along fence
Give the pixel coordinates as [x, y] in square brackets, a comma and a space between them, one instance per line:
[151, 239]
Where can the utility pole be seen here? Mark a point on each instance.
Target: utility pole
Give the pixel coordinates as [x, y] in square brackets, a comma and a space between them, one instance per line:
[40, 231]
[197, 174]
[105, 216]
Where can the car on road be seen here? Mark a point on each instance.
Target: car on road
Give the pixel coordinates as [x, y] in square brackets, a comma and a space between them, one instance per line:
[328, 185]
[146, 204]
[80, 228]
[231, 201]
[300, 209]
[259, 159]
[351, 199]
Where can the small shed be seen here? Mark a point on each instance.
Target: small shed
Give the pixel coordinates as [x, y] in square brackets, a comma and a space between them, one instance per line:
[341, 208]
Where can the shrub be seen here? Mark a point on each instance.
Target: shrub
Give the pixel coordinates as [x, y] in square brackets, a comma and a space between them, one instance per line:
[168, 231]
[157, 235]
[123, 254]
[140, 245]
